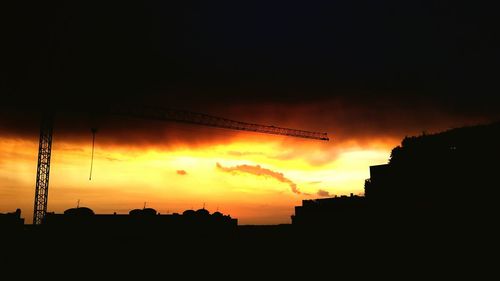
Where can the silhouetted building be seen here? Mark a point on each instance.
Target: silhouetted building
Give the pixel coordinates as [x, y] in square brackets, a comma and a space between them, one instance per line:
[11, 220]
[451, 174]
[80, 211]
[328, 211]
[433, 178]
[379, 176]
[143, 212]
[138, 221]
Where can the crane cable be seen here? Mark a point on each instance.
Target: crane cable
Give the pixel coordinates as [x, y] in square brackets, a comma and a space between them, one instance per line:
[94, 130]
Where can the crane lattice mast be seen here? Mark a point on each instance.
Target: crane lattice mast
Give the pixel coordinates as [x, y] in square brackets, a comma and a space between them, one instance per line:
[43, 168]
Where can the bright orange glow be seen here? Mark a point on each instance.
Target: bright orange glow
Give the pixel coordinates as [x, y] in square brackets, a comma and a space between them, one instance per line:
[125, 178]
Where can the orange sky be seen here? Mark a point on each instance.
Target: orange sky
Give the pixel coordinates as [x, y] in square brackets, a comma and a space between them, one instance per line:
[254, 177]
[249, 177]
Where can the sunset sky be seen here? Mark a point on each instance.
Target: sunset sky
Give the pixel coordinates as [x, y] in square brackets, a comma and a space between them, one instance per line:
[250, 178]
[368, 74]
[254, 177]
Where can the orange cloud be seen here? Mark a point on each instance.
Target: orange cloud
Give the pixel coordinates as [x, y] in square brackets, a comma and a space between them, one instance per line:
[345, 121]
[259, 171]
[323, 193]
[181, 172]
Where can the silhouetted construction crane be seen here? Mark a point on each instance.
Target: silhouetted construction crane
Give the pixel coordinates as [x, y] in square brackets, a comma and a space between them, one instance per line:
[147, 112]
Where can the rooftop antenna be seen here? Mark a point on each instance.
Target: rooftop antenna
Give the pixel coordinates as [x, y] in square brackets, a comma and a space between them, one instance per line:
[203, 205]
[94, 130]
[144, 206]
[78, 204]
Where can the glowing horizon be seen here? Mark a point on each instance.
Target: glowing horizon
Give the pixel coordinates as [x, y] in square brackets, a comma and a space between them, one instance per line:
[181, 177]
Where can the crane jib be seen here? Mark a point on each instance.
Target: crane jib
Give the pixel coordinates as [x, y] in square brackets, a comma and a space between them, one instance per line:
[46, 128]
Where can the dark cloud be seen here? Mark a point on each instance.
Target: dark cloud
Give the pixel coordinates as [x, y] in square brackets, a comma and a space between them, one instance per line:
[238, 51]
[357, 71]
[181, 172]
[348, 124]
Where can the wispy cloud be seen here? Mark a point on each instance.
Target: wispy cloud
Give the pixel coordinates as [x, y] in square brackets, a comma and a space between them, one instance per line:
[112, 159]
[244, 153]
[314, 182]
[259, 171]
